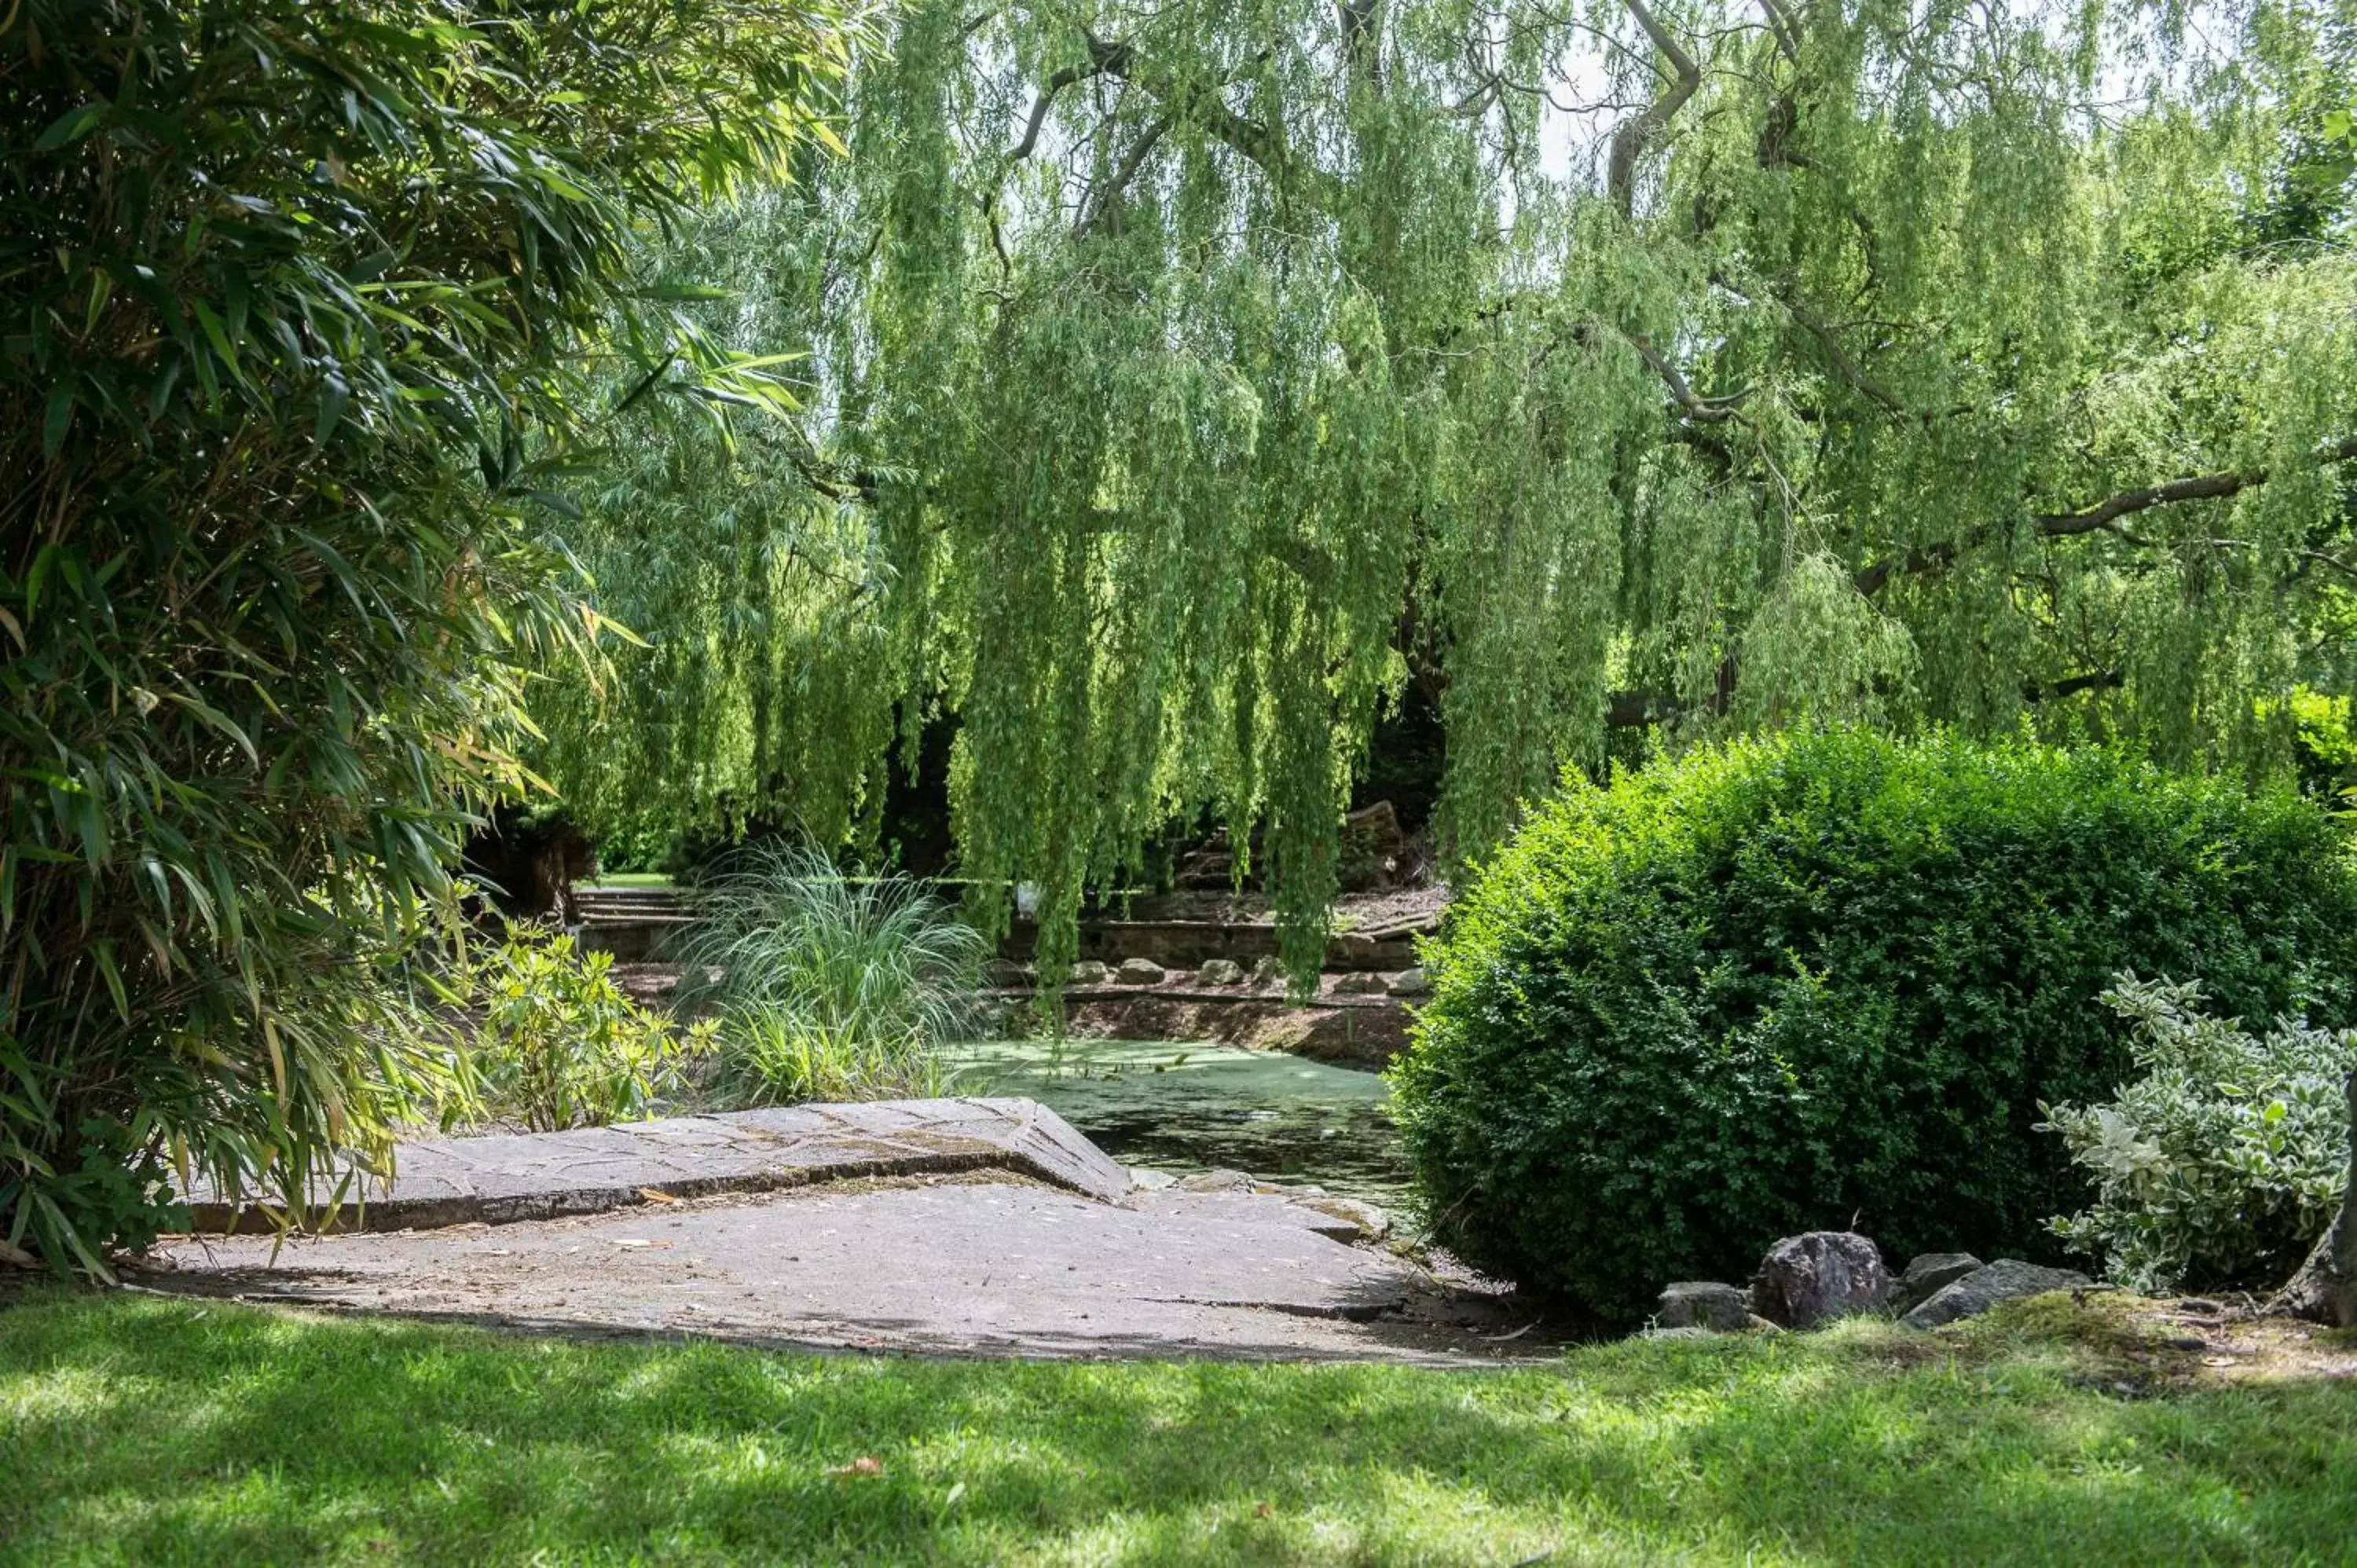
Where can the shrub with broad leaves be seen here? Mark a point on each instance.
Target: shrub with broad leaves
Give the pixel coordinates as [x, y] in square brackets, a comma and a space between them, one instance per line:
[561, 1046]
[2222, 1162]
[309, 314]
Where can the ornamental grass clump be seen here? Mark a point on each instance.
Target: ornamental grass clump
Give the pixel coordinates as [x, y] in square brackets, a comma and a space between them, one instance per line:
[1826, 981]
[828, 986]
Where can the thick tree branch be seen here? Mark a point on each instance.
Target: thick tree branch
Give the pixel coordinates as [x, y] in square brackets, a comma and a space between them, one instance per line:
[1849, 370]
[1635, 710]
[833, 483]
[1641, 130]
[1191, 104]
[1785, 27]
[2102, 516]
[1361, 42]
[1703, 410]
[2197, 488]
[1101, 204]
[1931, 557]
[1632, 709]
[2106, 514]
[2072, 685]
[1103, 60]
[1638, 709]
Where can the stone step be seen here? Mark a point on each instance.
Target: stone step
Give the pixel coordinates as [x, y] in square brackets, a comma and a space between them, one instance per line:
[630, 900]
[635, 938]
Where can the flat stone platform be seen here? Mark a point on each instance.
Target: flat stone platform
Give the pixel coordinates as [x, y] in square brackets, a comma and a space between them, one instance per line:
[938, 1227]
[977, 1265]
[504, 1178]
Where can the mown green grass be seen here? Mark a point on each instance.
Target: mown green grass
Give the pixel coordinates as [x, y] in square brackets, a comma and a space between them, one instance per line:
[142, 1430]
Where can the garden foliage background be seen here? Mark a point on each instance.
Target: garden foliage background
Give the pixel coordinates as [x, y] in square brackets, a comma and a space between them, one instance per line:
[1149, 398]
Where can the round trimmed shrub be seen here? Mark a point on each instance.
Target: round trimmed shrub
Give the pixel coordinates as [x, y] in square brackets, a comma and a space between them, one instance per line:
[1825, 980]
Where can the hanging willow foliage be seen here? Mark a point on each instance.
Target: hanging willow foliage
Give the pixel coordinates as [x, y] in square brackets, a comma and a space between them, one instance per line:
[1183, 379]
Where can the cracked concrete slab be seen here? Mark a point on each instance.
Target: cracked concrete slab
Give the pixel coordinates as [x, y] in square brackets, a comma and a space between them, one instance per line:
[964, 1227]
[981, 1265]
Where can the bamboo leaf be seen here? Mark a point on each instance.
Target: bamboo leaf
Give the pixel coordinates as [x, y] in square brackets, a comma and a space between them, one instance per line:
[70, 127]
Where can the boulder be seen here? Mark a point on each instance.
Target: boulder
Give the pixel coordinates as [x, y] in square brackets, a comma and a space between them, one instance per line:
[1928, 1274]
[1220, 972]
[1824, 1275]
[1139, 972]
[1703, 1303]
[1409, 983]
[1268, 972]
[1359, 982]
[1988, 1285]
[1088, 971]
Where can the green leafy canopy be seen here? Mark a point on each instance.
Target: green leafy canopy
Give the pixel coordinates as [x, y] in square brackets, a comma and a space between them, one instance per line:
[1183, 379]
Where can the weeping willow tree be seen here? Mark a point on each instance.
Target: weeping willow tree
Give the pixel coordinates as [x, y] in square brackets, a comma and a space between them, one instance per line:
[1182, 381]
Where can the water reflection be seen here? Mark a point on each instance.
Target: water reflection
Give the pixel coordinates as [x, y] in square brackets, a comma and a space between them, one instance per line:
[1186, 1106]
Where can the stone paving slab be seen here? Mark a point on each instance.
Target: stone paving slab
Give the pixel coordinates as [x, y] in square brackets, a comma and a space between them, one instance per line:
[981, 1264]
[507, 1178]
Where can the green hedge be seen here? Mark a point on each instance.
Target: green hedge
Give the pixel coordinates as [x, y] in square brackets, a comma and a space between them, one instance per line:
[1825, 980]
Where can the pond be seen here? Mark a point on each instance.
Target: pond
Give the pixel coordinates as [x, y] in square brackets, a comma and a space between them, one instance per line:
[1186, 1106]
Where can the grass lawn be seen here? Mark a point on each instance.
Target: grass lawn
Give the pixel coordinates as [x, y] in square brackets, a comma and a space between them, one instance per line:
[141, 1429]
[630, 879]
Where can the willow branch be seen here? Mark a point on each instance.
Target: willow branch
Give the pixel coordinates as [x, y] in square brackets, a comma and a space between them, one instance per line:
[2197, 488]
[1102, 61]
[2102, 516]
[1100, 206]
[1848, 368]
[1707, 410]
[1194, 104]
[2072, 685]
[830, 482]
[1644, 128]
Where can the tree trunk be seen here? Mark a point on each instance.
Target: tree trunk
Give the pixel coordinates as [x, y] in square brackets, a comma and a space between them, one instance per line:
[2325, 1289]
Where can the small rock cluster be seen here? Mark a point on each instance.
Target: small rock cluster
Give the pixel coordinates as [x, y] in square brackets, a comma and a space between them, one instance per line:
[1812, 1279]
